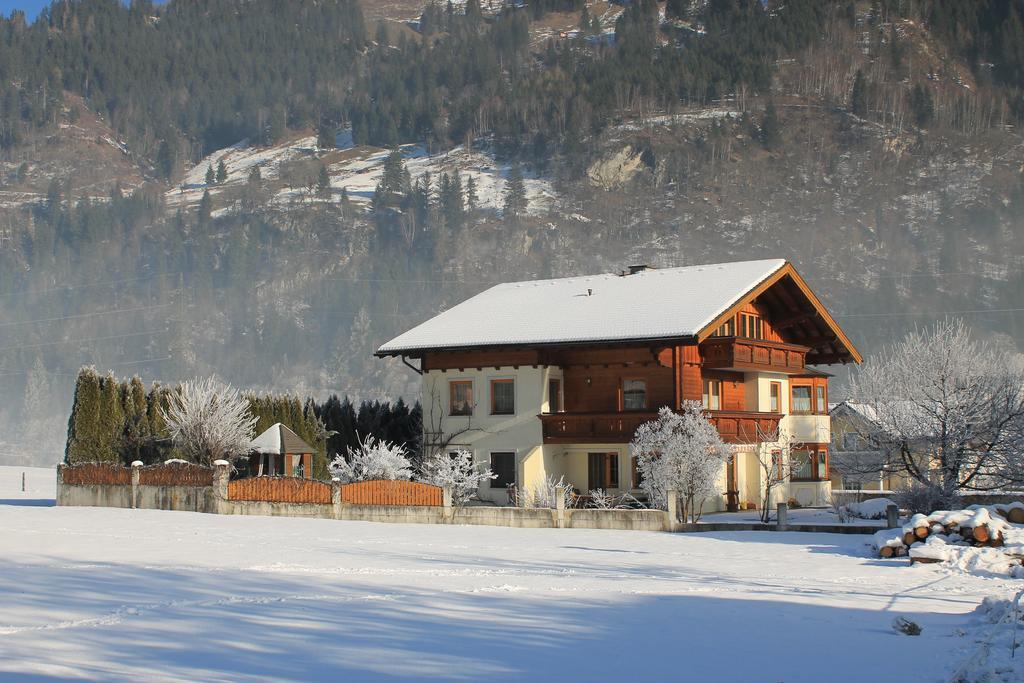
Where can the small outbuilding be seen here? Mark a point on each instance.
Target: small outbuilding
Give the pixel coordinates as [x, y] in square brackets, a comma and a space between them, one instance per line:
[280, 452]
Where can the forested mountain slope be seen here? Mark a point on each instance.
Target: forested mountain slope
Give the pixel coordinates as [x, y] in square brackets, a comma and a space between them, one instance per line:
[208, 186]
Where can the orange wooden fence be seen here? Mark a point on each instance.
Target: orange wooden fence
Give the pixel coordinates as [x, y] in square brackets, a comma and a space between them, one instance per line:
[96, 473]
[381, 492]
[175, 474]
[279, 490]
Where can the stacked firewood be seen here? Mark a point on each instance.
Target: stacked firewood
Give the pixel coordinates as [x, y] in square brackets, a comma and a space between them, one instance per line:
[976, 526]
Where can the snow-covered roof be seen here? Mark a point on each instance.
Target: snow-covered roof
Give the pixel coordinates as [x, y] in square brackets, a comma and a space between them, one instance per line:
[279, 439]
[650, 304]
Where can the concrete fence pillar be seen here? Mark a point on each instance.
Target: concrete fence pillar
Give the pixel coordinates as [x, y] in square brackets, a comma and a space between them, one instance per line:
[892, 516]
[558, 513]
[447, 509]
[783, 517]
[60, 484]
[672, 510]
[136, 470]
[336, 497]
[221, 477]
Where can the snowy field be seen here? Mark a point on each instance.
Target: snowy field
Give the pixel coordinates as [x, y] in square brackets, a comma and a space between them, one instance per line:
[118, 594]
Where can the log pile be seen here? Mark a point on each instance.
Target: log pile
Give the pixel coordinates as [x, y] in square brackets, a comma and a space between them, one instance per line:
[927, 538]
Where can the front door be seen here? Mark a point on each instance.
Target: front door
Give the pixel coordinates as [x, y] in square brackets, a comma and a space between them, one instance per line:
[732, 489]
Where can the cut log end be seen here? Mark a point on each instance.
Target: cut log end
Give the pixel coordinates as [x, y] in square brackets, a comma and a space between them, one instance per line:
[921, 531]
[887, 551]
[981, 534]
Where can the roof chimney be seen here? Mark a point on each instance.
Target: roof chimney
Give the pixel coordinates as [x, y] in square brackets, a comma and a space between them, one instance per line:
[639, 268]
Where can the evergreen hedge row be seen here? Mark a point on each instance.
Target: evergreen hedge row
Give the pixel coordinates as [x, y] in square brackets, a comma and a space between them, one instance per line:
[119, 421]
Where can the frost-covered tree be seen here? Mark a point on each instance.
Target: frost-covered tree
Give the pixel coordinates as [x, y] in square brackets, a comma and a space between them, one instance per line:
[946, 409]
[544, 493]
[373, 459]
[683, 452]
[455, 471]
[209, 420]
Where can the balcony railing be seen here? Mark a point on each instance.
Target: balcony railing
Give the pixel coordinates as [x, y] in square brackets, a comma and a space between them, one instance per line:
[752, 354]
[734, 426]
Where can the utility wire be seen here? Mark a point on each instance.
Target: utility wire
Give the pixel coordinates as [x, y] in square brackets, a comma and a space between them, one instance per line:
[81, 341]
[86, 315]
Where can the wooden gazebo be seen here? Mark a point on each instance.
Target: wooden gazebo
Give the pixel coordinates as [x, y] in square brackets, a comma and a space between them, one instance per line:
[280, 452]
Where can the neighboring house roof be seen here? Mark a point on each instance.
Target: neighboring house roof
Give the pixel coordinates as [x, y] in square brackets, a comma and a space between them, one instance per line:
[279, 439]
[649, 304]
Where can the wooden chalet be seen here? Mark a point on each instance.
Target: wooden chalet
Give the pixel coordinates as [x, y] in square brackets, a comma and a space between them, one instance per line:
[553, 377]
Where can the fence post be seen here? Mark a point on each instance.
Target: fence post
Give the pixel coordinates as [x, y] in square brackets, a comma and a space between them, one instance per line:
[559, 507]
[336, 497]
[782, 522]
[136, 469]
[672, 510]
[60, 484]
[892, 516]
[448, 513]
[221, 475]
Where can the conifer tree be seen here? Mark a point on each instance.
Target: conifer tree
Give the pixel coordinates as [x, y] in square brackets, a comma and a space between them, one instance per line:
[859, 96]
[136, 420]
[515, 195]
[921, 105]
[111, 420]
[205, 210]
[325, 136]
[211, 176]
[222, 172]
[323, 183]
[166, 158]
[472, 11]
[771, 134]
[471, 196]
[83, 427]
[255, 175]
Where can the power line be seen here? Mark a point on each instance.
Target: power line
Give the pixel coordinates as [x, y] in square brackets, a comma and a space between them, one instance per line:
[75, 374]
[86, 285]
[930, 313]
[80, 341]
[86, 315]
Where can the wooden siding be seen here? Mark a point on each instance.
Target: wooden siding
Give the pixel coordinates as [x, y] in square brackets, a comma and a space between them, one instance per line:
[279, 490]
[176, 474]
[734, 393]
[88, 474]
[381, 492]
[459, 360]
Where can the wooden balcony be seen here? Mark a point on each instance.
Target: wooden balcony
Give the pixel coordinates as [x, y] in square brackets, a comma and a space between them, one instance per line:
[737, 353]
[734, 426]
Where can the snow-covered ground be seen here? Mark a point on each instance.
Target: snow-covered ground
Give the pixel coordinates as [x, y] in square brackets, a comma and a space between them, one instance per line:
[121, 594]
[798, 516]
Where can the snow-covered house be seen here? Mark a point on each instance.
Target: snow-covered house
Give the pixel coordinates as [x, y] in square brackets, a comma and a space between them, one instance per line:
[860, 464]
[279, 451]
[553, 377]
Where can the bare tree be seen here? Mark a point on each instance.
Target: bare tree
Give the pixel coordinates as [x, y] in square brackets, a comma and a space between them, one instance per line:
[209, 420]
[779, 467]
[946, 409]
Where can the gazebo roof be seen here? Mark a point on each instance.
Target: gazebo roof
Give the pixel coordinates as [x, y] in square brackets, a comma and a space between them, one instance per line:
[279, 439]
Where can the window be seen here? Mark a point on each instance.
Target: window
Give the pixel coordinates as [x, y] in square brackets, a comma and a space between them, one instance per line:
[801, 399]
[726, 329]
[504, 466]
[810, 465]
[775, 397]
[820, 393]
[461, 393]
[634, 394]
[503, 397]
[821, 466]
[554, 395]
[603, 471]
[851, 441]
[803, 465]
[712, 396]
[750, 326]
